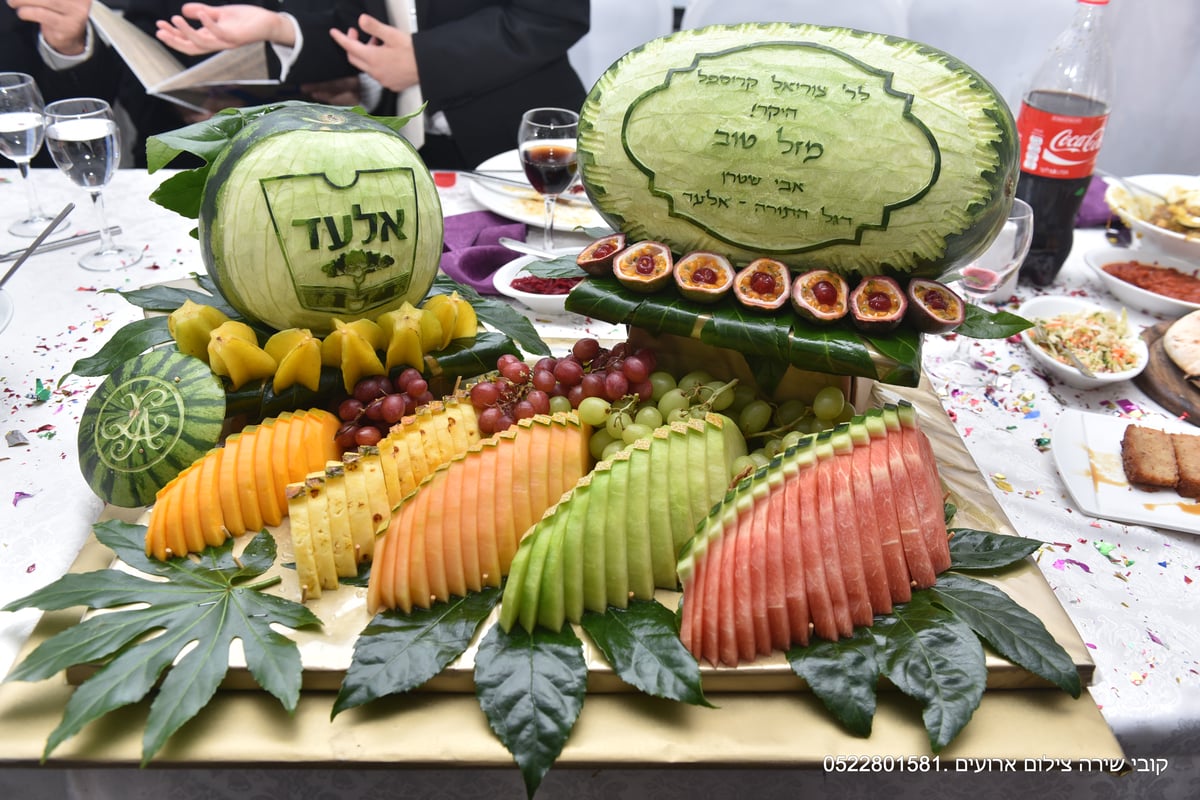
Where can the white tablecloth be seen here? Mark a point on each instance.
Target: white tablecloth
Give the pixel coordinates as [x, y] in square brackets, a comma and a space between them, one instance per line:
[1132, 591]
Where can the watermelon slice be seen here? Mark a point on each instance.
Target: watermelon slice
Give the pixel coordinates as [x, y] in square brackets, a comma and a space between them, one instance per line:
[797, 528]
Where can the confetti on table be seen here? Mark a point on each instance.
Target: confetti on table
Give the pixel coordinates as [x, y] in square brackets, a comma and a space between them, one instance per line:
[19, 496]
[1042, 443]
[41, 392]
[1154, 638]
[1062, 564]
[1105, 549]
[1001, 482]
[15, 439]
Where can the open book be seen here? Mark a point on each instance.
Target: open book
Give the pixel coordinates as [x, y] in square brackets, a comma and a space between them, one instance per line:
[235, 71]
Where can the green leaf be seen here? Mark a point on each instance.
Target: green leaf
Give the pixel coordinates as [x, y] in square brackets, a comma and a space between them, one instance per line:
[204, 601]
[1012, 631]
[983, 550]
[182, 192]
[844, 675]
[398, 652]
[469, 357]
[497, 313]
[935, 658]
[130, 340]
[979, 323]
[834, 349]
[642, 644]
[168, 298]
[562, 267]
[531, 688]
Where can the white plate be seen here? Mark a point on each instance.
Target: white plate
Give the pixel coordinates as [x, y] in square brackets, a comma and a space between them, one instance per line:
[1047, 306]
[541, 303]
[525, 205]
[6, 309]
[1135, 296]
[1087, 453]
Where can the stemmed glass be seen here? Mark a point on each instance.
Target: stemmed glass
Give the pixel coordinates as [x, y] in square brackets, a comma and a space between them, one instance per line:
[998, 263]
[21, 129]
[546, 141]
[84, 141]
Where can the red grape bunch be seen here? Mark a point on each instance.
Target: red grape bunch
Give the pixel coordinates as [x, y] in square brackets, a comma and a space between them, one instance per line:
[518, 391]
[378, 403]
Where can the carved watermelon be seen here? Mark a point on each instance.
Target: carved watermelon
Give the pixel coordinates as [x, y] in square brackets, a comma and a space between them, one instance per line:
[314, 212]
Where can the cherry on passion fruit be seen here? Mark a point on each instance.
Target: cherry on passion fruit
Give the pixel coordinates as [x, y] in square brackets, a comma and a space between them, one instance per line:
[821, 296]
[644, 267]
[877, 304]
[703, 276]
[597, 258]
[933, 307]
[764, 283]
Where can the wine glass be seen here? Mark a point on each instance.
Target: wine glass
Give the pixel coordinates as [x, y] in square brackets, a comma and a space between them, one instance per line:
[21, 130]
[546, 140]
[998, 263]
[84, 141]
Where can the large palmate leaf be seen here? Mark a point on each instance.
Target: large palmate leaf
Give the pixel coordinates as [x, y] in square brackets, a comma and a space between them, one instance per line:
[206, 602]
[642, 644]
[531, 688]
[398, 652]
[130, 340]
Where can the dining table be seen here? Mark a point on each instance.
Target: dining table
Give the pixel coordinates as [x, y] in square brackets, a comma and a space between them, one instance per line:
[1130, 591]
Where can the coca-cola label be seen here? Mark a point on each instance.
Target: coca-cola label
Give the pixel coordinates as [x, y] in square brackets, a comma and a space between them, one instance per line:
[1059, 145]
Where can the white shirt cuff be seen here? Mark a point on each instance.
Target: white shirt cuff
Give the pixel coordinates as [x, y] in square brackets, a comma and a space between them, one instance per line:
[59, 61]
[287, 55]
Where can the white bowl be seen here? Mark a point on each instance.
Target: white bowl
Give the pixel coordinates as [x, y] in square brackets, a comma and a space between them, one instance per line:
[1134, 296]
[1048, 306]
[1133, 211]
[539, 303]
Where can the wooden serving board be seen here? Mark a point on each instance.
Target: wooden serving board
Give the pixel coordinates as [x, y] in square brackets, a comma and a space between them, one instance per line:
[1164, 381]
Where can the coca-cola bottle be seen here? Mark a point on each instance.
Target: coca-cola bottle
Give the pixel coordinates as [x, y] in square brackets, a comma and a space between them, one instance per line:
[1061, 126]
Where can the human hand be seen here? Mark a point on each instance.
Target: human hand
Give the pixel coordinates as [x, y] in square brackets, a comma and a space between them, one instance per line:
[337, 92]
[387, 57]
[223, 28]
[63, 23]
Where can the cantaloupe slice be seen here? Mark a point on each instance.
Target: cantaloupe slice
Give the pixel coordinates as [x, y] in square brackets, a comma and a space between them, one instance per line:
[237, 488]
[485, 476]
[804, 492]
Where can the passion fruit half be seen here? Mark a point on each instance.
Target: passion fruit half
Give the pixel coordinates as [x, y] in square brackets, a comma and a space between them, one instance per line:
[644, 267]
[703, 276]
[877, 304]
[821, 296]
[597, 258]
[933, 307]
[764, 283]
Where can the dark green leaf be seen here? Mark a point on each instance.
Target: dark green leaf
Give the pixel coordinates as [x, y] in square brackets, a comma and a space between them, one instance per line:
[204, 601]
[979, 323]
[168, 298]
[983, 550]
[642, 644]
[1012, 631]
[131, 340]
[182, 192]
[835, 349]
[531, 688]
[935, 658]
[469, 357]
[844, 675]
[561, 267]
[497, 313]
[398, 652]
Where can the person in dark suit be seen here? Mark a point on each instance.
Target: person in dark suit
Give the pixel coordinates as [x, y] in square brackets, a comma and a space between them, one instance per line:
[480, 65]
[52, 41]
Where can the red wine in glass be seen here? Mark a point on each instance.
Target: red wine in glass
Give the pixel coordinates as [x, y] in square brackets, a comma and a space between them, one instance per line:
[549, 168]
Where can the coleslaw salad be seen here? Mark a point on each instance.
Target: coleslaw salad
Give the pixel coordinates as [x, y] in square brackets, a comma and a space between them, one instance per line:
[1099, 339]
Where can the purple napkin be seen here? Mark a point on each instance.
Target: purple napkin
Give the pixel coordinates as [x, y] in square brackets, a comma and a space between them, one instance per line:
[471, 253]
[1094, 212]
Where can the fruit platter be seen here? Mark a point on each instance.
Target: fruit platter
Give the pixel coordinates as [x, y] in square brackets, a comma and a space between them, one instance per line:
[370, 497]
